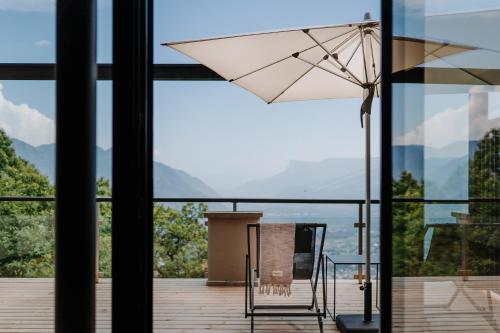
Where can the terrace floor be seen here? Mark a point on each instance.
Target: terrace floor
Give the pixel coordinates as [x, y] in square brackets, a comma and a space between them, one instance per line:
[187, 305]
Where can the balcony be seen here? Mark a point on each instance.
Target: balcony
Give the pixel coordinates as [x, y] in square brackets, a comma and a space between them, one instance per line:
[420, 303]
[188, 305]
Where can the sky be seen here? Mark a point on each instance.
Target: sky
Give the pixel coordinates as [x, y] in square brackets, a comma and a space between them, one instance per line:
[213, 130]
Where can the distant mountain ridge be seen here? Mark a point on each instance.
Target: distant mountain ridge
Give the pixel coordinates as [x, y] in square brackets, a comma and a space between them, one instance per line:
[168, 182]
[332, 178]
[445, 170]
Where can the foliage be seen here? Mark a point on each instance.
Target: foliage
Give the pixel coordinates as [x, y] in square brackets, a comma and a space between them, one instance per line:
[484, 177]
[104, 217]
[484, 180]
[408, 227]
[180, 241]
[446, 247]
[26, 228]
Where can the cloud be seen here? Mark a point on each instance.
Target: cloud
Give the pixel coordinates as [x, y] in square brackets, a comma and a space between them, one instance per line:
[25, 123]
[156, 154]
[28, 5]
[42, 43]
[452, 125]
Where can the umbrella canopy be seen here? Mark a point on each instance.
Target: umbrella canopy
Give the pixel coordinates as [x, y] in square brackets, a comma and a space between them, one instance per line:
[325, 62]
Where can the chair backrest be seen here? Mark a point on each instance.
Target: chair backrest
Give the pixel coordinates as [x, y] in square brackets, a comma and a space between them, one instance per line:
[304, 257]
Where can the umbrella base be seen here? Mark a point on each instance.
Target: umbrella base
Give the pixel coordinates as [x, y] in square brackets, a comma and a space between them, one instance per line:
[356, 324]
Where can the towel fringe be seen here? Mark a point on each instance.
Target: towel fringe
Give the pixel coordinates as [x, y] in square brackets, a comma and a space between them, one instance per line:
[277, 289]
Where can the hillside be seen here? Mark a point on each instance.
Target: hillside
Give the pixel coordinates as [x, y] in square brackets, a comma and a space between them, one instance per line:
[168, 182]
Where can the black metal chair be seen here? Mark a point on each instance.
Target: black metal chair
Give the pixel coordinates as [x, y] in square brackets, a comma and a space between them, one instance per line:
[306, 266]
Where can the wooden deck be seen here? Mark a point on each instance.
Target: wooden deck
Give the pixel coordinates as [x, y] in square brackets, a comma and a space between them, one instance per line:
[182, 306]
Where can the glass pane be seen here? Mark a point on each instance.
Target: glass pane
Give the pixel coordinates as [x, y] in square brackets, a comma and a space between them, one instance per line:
[34, 23]
[26, 228]
[445, 155]
[213, 139]
[233, 144]
[217, 140]
[27, 169]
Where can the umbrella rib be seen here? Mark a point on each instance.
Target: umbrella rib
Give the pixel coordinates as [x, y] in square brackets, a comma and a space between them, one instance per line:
[335, 57]
[327, 70]
[442, 46]
[374, 35]
[260, 68]
[291, 84]
[344, 43]
[461, 69]
[353, 53]
[287, 57]
[364, 55]
[374, 65]
[339, 45]
[343, 47]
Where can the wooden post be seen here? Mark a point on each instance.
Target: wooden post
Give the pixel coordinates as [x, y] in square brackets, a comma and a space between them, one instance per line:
[463, 219]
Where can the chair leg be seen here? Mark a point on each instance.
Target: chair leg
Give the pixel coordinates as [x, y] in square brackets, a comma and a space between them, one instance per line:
[320, 323]
[251, 324]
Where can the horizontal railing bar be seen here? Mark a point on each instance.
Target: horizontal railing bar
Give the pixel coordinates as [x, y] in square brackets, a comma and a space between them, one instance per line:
[271, 200]
[263, 200]
[42, 199]
[433, 225]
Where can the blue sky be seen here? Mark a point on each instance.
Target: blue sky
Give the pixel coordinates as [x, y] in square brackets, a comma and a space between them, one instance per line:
[213, 130]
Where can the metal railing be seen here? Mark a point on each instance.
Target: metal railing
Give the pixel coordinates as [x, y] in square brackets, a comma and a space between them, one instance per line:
[358, 224]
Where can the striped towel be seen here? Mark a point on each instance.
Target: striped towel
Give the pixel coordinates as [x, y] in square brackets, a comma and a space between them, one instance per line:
[277, 247]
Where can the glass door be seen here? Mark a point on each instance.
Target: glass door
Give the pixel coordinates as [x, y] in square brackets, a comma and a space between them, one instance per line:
[445, 166]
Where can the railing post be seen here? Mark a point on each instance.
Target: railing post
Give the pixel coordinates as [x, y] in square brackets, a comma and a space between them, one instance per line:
[360, 225]
[235, 206]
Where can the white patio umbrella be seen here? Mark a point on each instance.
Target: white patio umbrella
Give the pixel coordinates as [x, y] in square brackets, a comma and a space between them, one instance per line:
[338, 61]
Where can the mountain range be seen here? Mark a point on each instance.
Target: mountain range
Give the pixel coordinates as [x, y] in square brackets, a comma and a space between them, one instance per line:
[445, 169]
[168, 182]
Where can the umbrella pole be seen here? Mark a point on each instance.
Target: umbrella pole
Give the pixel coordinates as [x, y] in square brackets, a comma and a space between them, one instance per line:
[368, 284]
[366, 322]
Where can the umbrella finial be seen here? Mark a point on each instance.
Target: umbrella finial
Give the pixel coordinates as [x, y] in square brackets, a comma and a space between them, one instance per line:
[368, 16]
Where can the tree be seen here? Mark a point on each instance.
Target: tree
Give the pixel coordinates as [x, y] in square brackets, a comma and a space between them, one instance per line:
[180, 241]
[484, 183]
[446, 247]
[408, 227]
[104, 216]
[26, 228]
